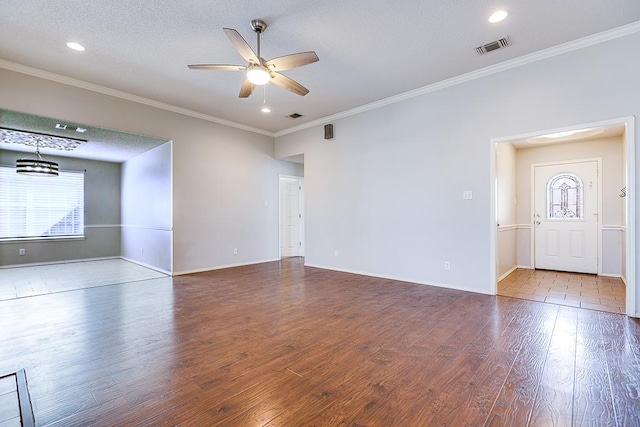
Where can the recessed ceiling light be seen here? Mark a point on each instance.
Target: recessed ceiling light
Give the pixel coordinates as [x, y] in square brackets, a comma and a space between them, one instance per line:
[498, 16]
[60, 126]
[81, 130]
[75, 46]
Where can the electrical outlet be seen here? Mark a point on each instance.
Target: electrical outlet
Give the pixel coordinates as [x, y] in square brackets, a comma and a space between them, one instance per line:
[22, 251]
[235, 251]
[447, 265]
[467, 195]
[335, 253]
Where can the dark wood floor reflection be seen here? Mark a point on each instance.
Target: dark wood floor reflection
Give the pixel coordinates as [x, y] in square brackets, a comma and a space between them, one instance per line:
[279, 344]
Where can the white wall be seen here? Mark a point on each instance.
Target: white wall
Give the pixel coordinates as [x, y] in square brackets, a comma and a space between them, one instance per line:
[387, 191]
[506, 208]
[612, 173]
[147, 207]
[221, 175]
[290, 168]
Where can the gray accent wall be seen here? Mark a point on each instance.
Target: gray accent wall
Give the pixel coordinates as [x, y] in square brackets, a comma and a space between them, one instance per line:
[102, 217]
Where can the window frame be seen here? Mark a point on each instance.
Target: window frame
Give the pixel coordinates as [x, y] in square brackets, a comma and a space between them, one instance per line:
[579, 197]
[8, 170]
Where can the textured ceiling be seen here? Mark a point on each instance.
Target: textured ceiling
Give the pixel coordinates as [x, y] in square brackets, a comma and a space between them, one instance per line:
[103, 144]
[369, 50]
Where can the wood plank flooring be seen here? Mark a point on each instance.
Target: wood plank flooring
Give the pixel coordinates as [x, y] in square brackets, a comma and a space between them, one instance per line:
[571, 289]
[279, 344]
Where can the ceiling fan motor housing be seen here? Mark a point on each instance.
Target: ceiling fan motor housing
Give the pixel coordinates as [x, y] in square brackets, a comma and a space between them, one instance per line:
[258, 25]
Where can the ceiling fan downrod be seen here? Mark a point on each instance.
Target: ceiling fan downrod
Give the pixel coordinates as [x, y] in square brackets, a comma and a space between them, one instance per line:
[258, 26]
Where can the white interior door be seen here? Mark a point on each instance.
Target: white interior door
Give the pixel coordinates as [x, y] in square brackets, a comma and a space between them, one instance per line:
[291, 226]
[566, 217]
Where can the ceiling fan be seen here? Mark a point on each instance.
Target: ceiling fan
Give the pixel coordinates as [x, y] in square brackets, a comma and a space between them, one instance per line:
[259, 71]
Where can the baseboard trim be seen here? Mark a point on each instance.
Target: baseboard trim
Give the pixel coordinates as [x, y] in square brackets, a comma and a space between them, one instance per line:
[69, 261]
[401, 279]
[149, 266]
[615, 276]
[221, 267]
[514, 268]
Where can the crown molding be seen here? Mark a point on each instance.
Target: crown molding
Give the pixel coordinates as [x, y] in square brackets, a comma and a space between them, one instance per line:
[473, 75]
[19, 68]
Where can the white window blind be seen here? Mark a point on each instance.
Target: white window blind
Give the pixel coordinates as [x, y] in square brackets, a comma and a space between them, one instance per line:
[44, 207]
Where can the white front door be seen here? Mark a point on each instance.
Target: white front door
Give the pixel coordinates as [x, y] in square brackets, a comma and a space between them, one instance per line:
[291, 229]
[566, 217]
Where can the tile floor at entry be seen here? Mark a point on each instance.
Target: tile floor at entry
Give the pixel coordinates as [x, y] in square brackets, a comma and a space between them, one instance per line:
[570, 289]
[32, 280]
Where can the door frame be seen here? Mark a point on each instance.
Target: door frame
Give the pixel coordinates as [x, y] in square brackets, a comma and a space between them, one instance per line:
[630, 208]
[599, 205]
[300, 179]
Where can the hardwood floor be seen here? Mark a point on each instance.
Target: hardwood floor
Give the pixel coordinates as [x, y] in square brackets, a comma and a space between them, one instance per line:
[278, 344]
[572, 289]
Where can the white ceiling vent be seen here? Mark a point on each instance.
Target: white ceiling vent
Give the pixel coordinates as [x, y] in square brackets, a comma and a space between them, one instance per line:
[494, 45]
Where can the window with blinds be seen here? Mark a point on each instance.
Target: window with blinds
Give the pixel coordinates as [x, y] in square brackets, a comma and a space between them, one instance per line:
[41, 207]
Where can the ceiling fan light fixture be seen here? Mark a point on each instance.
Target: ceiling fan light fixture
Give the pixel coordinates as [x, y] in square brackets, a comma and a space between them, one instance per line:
[258, 71]
[258, 75]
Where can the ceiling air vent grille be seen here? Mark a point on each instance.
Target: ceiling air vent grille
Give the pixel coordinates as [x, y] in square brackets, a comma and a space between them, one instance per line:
[294, 116]
[494, 45]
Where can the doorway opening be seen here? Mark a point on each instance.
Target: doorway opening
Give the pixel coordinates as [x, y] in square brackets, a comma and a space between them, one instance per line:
[563, 216]
[291, 216]
[566, 208]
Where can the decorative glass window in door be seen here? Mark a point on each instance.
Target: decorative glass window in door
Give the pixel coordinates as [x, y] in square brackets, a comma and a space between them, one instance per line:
[565, 197]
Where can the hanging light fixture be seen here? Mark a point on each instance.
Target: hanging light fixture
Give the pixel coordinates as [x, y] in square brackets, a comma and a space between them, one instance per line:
[36, 165]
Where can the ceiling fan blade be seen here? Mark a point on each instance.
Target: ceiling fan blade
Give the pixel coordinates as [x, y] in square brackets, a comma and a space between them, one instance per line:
[246, 89]
[291, 61]
[216, 67]
[241, 46]
[288, 84]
